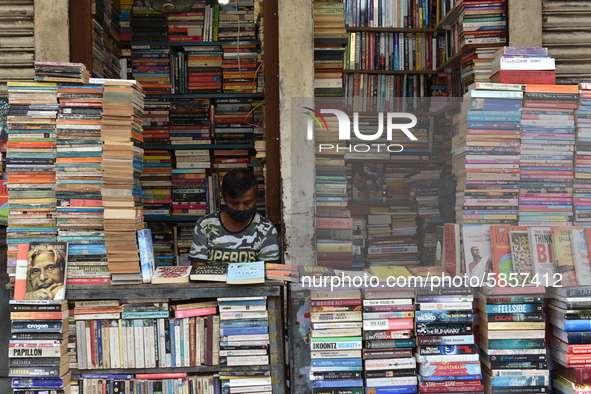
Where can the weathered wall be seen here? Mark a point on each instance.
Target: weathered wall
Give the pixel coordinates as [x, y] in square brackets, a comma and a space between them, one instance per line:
[52, 37]
[525, 23]
[296, 80]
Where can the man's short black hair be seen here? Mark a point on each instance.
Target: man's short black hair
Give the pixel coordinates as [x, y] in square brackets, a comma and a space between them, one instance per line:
[239, 181]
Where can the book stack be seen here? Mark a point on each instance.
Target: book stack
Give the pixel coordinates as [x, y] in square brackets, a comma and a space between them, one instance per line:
[512, 343]
[547, 150]
[233, 121]
[392, 239]
[151, 66]
[163, 243]
[147, 382]
[204, 69]
[121, 132]
[334, 238]
[240, 68]
[79, 178]
[527, 65]
[187, 26]
[249, 381]
[61, 72]
[330, 40]
[336, 341]
[388, 323]
[183, 240]
[30, 165]
[569, 310]
[425, 189]
[243, 331]
[156, 121]
[189, 122]
[106, 43]
[188, 188]
[486, 155]
[38, 345]
[236, 30]
[443, 323]
[582, 181]
[125, 7]
[156, 180]
[147, 24]
[472, 31]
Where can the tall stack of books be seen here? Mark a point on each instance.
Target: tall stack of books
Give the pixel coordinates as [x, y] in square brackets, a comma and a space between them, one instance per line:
[392, 239]
[163, 243]
[182, 242]
[528, 65]
[547, 150]
[240, 68]
[388, 323]
[569, 310]
[38, 346]
[156, 180]
[147, 24]
[187, 26]
[121, 132]
[330, 40]
[151, 66]
[125, 7]
[188, 189]
[233, 121]
[156, 121]
[444, 321]
[486, 155]
[30, 165]
[79, 178]
[250, 381]
[147, 382]
[582, 181]
[204, 69]
[243, 331]
[512, 342]
[472, 31]
[242, 29]
[336, 341]
[106, 43]
[425, 189]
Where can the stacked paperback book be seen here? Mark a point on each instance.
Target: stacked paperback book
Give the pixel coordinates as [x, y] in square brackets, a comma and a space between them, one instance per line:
[523, 65]
[512, 342]
[547, 150]
[78, 182]
[388, 333]
[486, 155]
[38, 346]
[30, 165]
[582, 164]
[336, 341]
[121, 132]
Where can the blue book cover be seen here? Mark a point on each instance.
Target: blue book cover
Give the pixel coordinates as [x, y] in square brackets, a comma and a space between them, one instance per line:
[146, 248]
[244, 323]
[244, 302]
[337, 383]
[577, 325]
[451, 377]
[337, 362]
[243, 330]
[518, 381]
[246, 272]
[513, 308]
[516, 343]
[19, 383]
[145, 315]
[494, 125]
[172, 343]
[449, 369]
[99, 340]
[391, 390]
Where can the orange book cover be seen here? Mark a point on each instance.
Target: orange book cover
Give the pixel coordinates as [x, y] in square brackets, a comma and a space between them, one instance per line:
[39, 315]
[20, 283]
[552, 88]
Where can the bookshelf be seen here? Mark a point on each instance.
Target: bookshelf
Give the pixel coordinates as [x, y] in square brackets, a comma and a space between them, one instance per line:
[393, 29]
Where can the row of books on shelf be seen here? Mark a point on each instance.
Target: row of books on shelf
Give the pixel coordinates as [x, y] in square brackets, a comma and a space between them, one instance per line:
[47, 339]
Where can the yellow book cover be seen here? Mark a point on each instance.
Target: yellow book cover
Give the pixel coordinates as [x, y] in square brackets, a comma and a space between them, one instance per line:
[385, 272]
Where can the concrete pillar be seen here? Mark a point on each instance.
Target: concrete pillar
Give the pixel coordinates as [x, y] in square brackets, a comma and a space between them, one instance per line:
[296, 86]
[52, 33]
[525, 23]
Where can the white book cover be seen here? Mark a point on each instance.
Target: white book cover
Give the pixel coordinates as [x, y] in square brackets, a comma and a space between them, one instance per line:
[477, 251]
[540, 246]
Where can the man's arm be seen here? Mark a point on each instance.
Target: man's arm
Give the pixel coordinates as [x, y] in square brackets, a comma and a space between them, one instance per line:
[199, 246]
[269, 251]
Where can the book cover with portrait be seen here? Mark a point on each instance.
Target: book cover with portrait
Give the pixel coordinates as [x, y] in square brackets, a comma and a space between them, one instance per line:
[46, 271]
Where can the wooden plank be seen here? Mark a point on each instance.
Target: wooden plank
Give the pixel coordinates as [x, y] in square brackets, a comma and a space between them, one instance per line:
[81, 33]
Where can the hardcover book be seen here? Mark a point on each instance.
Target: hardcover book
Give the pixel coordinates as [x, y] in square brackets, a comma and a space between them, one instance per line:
[175, 274]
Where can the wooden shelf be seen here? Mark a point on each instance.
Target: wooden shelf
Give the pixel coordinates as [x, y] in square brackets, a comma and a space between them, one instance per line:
[450, 16]
[191, 43]
[205, 95]
[393, 29]
[198, 369]
[171, 290]
[396, 72]
[455, 59]
[198, 146]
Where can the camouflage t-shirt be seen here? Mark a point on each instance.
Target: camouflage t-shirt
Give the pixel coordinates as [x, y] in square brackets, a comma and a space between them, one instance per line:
[214, 243]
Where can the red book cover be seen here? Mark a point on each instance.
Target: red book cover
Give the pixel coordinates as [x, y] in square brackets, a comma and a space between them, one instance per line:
[524, 77]
[168, 375]
[195, 312]
[451, 240]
